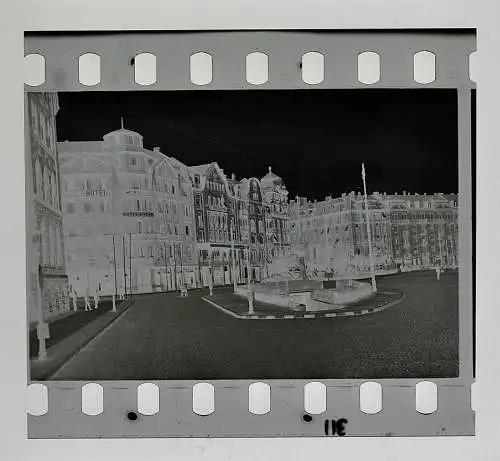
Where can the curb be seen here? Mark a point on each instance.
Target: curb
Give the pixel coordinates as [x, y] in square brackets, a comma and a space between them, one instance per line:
[307, 315]
[53, 364]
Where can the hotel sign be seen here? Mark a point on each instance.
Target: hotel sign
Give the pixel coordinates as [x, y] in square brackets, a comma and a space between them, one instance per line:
[139, 214]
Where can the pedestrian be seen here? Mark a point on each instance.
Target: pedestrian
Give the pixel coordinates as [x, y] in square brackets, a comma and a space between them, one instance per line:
[96, 300]
[438, 272]
[87, 301]
[122, 293]
[114, 302]
[210, 287]
[74, 299]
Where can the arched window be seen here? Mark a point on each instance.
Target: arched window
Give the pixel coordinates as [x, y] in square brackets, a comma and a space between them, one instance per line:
[252, 225]
[60, 250]
[261, 226]
[52, 245]
[53, 189]
[38, 178]
[45, 184]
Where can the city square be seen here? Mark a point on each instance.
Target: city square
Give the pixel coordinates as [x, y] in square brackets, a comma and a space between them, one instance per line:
[146, 264]
[164, 336]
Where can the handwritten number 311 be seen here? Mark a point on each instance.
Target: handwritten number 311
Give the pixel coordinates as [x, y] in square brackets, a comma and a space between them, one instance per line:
[337, 427]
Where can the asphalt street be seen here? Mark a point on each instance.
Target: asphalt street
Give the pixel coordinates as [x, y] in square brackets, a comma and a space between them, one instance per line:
[164, 336]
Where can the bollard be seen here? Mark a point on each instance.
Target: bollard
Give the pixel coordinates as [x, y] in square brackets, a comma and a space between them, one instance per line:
[114, 303]
[250, 297]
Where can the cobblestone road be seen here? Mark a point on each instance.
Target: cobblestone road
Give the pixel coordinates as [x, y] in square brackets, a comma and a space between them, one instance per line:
[168, 337]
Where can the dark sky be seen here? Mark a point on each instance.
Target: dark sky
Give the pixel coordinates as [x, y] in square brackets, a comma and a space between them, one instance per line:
[314, 139]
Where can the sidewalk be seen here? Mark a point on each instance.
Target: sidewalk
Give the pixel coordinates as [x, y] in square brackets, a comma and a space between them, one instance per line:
[237, 306]
[68, 335]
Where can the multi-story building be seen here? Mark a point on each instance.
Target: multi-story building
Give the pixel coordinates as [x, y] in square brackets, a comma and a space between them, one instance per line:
[216, 218]
[128, 216]
[46, 255]
[249, 217]
[407, 231]
[424, 230]
[331, 235]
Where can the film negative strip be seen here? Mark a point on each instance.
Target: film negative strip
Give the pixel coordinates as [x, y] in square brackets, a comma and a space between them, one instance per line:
[264, 272]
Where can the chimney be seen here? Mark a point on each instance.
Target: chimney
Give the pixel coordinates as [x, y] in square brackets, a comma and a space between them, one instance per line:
[156, 149]
[233, 176]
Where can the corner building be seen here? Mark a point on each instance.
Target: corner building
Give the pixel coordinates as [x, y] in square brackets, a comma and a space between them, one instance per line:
[409, 232]
[128, 217]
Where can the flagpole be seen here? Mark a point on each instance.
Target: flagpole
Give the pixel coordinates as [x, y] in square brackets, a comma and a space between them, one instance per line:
[368, 228]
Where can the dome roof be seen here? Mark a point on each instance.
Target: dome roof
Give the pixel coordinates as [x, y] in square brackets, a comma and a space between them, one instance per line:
[271, 179]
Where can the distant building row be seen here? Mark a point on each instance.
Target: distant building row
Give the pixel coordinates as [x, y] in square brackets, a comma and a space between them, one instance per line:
[408, 232]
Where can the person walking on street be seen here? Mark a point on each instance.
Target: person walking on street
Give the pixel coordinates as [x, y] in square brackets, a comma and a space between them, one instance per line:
[87, 301]
[438, 272]
[96, 300]
[74, 299]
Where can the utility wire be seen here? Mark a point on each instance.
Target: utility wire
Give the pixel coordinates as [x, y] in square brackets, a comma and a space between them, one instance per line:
[181, 130]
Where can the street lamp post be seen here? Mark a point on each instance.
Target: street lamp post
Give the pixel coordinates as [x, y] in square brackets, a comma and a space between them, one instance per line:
[42, 326]
[368, 228]
[235, 285]
[249, 294]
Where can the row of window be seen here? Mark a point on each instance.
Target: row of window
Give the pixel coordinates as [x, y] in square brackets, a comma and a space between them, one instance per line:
[214, 202]
[215, 186]
[42, 127]
[45, 184]
[88, 207]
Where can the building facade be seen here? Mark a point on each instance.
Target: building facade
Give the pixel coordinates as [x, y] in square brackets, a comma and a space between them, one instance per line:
[128, 217]
[247, 218]
[218, 234]
[408, 232]
[424, 230]
[47, 279]
[331, 235]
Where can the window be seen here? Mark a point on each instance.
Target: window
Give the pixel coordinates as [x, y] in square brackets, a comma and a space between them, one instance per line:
[176, 230]
[187, 230]
[171, 253]
[140, 227]
[133, 161]
[173, 189]
[142, 252]
[70, 208]
[88, 207]
[103, 207]
[151, 252]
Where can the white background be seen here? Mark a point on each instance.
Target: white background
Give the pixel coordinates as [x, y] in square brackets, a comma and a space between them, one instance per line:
[19, 15]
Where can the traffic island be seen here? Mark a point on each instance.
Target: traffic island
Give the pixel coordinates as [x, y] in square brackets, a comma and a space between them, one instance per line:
[236, 306]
